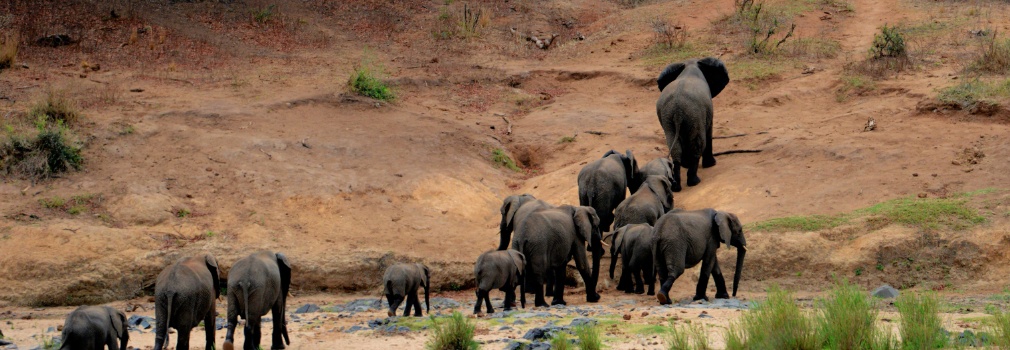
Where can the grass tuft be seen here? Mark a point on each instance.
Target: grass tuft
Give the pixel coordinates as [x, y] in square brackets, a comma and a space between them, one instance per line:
[365, 82]
[453, 333]
[995, 57]
[975, 93]
[686, 337]
[560, 341]
[8, 49]
[999, 330]
[498, 156]
[801, 223]
[776, 323]
[48, 151]
[920, 326]
[846, 320]
[589, 337]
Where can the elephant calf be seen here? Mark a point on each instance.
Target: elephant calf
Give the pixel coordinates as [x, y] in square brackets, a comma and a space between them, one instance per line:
[500, 269]
[185, 294]
[635, 243]
[685, 238]
[401, 281]
[258, 284]
[645, 206]
[94, 328]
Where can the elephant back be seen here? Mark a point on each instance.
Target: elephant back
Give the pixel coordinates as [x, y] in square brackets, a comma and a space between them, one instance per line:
[402, 278]
[495, 269]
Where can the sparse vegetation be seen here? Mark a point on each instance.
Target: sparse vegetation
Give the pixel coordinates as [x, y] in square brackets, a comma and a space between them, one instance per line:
[890, 42]
[49, 151]
[816, 48]
[589, 337]
[975, 94]
[847, 320]
[686, 337]
[999, 329]
[560, 341]
[567, 139]
[920, 326]
[182, 212]
[365, 82]
[467, 23]
[264, 14]
[453, 333]
[801, 223]
[995, 56]
[763, 22]
[669, 36]
[8, 49]
[55, 107]
[52, 202]
[775, 323]
[854, 85]
[498, 156]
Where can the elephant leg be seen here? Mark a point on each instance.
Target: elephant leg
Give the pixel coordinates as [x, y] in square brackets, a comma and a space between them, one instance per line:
[112, 343]
[277, 336]
[549, 282]
[209, 328]
[249, 333]
[409, 303]
[229, 335]
[707, 159]
[417, 306]
[538, 292]
[639, 285]
[476, 306]
[182, 340]
[559, 286]
[675, 186]
[720, 283]
[706, 271]
[670, 267]
[487, 302]
[510, 298]
[650, 276]
[692, 171]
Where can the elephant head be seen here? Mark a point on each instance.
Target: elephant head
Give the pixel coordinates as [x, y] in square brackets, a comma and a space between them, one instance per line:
[508, 211]
[616, 244]
[587, 228]
[730, 232]
[426, 283]
[711, 68]
[662, 188]
[658, 167]
[519, 260]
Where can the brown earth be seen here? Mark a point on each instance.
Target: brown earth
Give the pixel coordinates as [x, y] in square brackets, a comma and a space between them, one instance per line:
[246, 137]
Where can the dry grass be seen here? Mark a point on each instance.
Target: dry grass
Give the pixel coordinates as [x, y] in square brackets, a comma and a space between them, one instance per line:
[8, 48]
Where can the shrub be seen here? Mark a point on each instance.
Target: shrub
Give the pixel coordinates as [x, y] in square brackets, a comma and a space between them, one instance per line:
[589, 337]
[920, 325]
[890, 42]
[55, 107]
[847, 319]
[687, 337]
[669, 36]
[50, 151]
[455, 333]
[776, 323]
[8, 49]
[499, 157]
[365, 83]
[995, 57]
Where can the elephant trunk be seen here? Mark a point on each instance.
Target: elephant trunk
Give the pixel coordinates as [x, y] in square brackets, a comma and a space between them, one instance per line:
[506, 235]
[613, 261]
[741, 251]
[522, 289]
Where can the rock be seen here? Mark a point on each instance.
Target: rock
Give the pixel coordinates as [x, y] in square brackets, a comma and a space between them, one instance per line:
[886, 292]
[444, 303]
[645, 313]
[307, 308]
[220, 323]
[515, 345]
[627, 317]
[147, 209]
[518, 322]
[704, 314]
[5, 342]
[582, 321]
[505, 328]
[378, 322]
[137, 322]
[533, 314]
[354, 328]
[545, 332]
[266, 319]
[55, 40]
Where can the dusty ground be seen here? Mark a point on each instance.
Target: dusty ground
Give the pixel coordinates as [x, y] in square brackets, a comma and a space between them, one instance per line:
[249, 128]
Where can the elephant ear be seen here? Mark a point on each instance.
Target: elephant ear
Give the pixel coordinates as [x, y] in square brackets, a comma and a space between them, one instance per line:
[715, 74]
[721, 222]
[214, 273]
[631, 171]
[583, 223]
[518, 260]
[285, 269]
[619, 240]
[508, 211]
[665, 194]
[605, 155]
[669, 74]
[118, 320]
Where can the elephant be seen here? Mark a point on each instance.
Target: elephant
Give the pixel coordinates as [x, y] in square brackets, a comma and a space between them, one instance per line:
[94, 328]
[500, 269]
[645, 206]
[602, 184]
[258, 284]
[685, 113]
[401, 281]
[635, 242]
[685, 238]
[514, 209]
[185, 294]
[658, 167]
[549, 238]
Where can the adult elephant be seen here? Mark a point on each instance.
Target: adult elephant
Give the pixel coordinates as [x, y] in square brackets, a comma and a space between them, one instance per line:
[258, 284]
[514, 210]
[685, 238]
[185, 294]
[549, 238]
[685, 112]
[95, 327]
[661, 167]
[603, 183]
[633, 245]
[645, 206]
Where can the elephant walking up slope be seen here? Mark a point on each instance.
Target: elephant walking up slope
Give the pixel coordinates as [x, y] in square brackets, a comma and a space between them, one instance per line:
[685, 238]
[633, 245]
[603, 184]
[685, 112]
[645, 206]
[551, 237]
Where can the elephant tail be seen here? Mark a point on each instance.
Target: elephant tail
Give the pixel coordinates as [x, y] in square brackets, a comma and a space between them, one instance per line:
[245, 299]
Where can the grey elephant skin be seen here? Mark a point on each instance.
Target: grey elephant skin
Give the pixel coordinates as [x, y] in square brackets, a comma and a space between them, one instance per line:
[185, 294]
[401, 282]
[514, 210]
[685, 238]
[603, 184]
[503, 270]
[549, 238]
[258, 284]
[685, 113]
[645, 206]
[95, 328]
[661, 167]
[633, 245]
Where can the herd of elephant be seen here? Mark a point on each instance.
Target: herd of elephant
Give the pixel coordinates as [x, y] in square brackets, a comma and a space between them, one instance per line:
[185, 295]
[645, 232]
[649, 235]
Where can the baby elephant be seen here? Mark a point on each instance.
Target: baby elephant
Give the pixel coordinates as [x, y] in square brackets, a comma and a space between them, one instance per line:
[500, 269]
[401, 282]
[94, 328]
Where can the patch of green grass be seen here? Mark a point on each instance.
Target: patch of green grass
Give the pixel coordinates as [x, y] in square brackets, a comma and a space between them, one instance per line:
[927, 213]
[775, 323]
[560, 341]
[453, 333]
[76, 209]
[972, 93]
[499, 157]
[815, 48]
[999, 330]
[182, 212]
[365, 82]
[661, 55]
[846, 319]
[52, 202]
[854, 84]
[686, 337]
[801, 223]
[920, 326]
[126, 130]
[264, 14]
[755, 70]
[567, 139]
[210, 234]
[589, 337]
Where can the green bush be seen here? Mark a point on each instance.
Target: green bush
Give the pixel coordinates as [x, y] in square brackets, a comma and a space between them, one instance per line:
[920, 325]
[455, 333]
[890, 42]
[589, 337]
[499, 157]
[776, 323]
[365, 82]
[50, 151]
